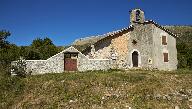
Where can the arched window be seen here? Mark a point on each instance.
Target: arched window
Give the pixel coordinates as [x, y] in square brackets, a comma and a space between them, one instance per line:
[138, 15]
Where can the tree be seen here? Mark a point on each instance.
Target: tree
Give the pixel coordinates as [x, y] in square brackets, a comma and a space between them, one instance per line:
[37, 43]
[43, 48]
[8, 54]
[3, 36]
[184, 55]
[47, 41]
[29, 53]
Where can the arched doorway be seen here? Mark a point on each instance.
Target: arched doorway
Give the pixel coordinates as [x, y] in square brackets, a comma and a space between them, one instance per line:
[135, 59]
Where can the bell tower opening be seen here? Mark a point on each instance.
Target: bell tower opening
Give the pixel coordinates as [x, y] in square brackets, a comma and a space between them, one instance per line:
[136, 16]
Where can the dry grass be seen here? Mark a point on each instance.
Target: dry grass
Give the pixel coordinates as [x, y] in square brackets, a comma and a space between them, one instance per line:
[107, 89]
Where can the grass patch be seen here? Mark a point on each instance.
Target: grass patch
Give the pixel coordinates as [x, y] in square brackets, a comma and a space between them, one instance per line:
[98, 89]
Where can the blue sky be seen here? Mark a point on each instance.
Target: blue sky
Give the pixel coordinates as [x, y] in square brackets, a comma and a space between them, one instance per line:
[66, 20]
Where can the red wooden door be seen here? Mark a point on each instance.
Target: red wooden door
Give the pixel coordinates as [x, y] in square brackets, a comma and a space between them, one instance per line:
[70, 64]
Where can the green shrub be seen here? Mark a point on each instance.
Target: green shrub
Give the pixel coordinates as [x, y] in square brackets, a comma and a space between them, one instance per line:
[20, 68]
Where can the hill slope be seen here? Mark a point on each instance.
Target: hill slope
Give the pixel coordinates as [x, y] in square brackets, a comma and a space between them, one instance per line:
[100, 89]
[184, 33]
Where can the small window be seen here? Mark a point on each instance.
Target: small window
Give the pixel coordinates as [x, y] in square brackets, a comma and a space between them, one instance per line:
[164, 40]
[165, 55]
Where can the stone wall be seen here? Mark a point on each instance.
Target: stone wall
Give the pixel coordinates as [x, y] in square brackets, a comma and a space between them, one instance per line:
[159, 49]
[94, 64]
[34, 66]
[116, 45]
[142, 35]
[120, 47]
[102, 50]
[37, 66]
[84, 63]
[55, 64]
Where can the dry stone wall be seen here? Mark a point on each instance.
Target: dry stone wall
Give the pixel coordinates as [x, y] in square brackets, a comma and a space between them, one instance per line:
[94, 64]
[55, 64]
[85, 63]
[37, 66]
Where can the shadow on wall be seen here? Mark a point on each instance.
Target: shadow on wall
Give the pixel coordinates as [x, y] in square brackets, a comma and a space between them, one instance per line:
[102, 45]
